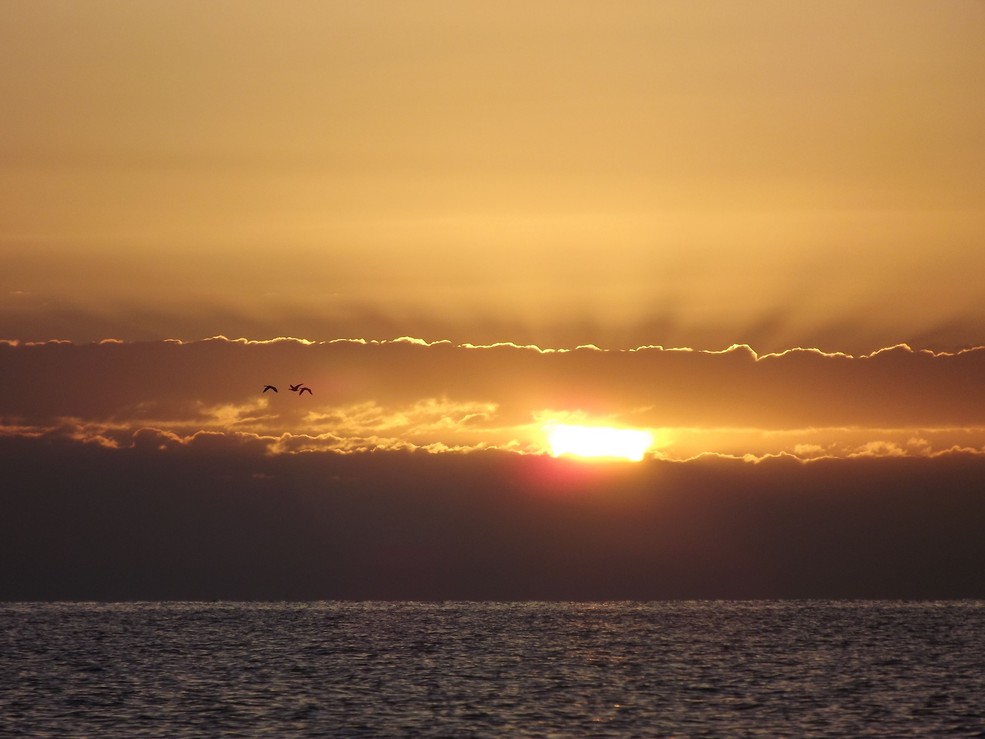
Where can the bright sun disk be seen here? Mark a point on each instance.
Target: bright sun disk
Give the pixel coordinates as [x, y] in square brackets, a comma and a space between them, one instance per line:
[598, 441]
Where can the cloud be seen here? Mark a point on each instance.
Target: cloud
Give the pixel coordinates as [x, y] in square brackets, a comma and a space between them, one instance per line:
[442, 395]
[218, 516]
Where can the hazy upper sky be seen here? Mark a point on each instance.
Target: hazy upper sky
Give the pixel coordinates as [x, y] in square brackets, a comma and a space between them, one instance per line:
[683, 173]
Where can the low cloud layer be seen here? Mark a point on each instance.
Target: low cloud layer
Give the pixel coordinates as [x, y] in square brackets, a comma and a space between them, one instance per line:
[214, 518]
[417, 470]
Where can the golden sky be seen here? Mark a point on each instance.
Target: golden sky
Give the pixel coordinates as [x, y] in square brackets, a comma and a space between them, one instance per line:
[689, 174]
[753, 231]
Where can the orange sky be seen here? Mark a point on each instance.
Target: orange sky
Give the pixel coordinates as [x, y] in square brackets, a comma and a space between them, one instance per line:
[753, 230]
[689, 174]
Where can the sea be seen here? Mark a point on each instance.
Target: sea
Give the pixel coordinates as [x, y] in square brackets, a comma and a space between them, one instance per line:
[477, 669]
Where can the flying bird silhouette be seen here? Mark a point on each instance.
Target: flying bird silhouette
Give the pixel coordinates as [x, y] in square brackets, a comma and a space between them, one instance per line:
[269, 387]
[295, 388]
[304, 390]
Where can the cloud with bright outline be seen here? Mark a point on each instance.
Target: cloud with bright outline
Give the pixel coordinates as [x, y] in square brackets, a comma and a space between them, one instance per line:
[409, 393]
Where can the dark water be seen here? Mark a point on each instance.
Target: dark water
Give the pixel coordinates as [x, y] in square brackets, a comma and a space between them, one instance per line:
[494, 669]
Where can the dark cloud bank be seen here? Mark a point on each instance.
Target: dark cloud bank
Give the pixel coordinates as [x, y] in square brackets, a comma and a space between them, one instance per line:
[214, 519]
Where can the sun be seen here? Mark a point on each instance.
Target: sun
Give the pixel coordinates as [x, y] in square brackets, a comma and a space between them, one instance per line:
[598, 441]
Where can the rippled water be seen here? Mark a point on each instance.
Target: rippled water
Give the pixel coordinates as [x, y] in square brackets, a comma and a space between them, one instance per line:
[506, 669]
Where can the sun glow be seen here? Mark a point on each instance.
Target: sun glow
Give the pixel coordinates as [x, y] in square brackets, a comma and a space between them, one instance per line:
[598, 441]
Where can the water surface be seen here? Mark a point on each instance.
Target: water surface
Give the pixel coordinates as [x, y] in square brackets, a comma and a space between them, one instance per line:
[792, 668]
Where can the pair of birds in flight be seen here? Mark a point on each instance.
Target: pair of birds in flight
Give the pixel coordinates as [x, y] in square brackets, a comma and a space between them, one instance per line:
[300, 389]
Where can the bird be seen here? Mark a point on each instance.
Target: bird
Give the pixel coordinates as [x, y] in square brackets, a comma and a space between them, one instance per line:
[303, 390]
[294, 388]
[269, 387]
